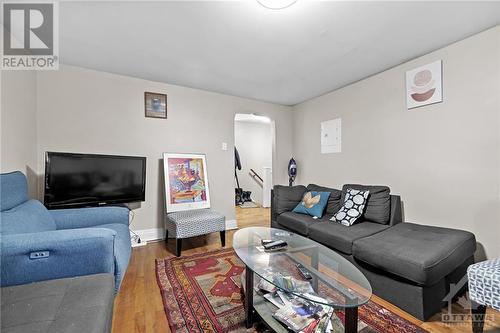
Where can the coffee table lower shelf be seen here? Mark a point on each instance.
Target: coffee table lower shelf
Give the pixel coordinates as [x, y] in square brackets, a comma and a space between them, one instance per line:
[257, 303]
[265, 309]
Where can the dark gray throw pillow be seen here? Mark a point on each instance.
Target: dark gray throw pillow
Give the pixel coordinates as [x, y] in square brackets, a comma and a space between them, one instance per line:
[287, 197]
[378, 207]
[334, 201]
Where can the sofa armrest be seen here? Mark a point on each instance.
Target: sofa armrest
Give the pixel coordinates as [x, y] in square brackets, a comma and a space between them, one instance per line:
[67, 253]
[396, 210]
[89, 217]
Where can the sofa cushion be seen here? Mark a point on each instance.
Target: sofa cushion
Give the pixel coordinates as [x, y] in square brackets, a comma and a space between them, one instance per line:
[80, 304]
[340, 237]
[287, 197]
[13, 190]
[422, 254]
[334, 201]
[313, 203]
[298, 223]
[27, 217]
[378, 207]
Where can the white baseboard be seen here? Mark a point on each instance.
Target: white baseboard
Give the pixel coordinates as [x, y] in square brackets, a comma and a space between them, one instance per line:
[151, 234]
[148, 235]
[231, 224]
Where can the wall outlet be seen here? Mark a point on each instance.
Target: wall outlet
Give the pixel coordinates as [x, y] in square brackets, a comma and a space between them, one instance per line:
[224, 146]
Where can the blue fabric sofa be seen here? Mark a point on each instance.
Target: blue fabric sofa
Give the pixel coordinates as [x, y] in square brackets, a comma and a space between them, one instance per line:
[39, 244]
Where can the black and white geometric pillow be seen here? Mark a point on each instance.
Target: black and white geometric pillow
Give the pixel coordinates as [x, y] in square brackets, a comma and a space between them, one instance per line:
[354, 204]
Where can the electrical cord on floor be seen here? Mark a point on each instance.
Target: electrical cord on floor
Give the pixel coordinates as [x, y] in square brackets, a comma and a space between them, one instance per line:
[135, 237]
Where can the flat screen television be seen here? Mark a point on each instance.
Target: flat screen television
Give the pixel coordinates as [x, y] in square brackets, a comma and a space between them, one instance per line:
[80, 180]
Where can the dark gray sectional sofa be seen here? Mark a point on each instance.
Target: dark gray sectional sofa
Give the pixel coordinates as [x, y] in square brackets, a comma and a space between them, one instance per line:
[410, 265]
[69, 305]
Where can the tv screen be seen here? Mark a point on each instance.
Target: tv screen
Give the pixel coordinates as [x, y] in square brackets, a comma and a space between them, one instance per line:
[79, 180]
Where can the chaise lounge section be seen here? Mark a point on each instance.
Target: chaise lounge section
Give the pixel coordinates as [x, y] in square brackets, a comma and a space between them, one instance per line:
[407, 264]
[69, 305]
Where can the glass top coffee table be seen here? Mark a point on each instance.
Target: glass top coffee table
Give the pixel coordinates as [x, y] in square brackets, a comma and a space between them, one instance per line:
[335, 281]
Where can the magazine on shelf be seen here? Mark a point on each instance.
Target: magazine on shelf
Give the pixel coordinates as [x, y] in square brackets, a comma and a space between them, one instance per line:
[292, 284]
[274, 299]
[293, 320]
[265, 285]
[325, 323]
[301, 311]
[298, 314]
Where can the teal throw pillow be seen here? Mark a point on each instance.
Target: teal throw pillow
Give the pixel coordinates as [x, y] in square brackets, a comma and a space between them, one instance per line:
[313, 203]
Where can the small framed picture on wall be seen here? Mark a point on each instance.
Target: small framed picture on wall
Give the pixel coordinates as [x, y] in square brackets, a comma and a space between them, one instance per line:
[155, 105]
[424, 85]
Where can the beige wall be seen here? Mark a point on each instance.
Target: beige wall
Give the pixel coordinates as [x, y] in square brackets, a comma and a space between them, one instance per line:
[443, 159]
[498, 118]
[254, 143]
[87, 111]
[18, 125]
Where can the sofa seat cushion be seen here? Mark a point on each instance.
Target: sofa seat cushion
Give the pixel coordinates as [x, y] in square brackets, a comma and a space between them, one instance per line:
[28, 217]
[80, 304]
[296, 222]
[340, 237]
[422, 254]
[123, 249]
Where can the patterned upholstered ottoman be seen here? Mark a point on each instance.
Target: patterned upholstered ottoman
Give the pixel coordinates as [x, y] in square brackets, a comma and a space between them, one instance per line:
[193, 223]
[484, 290]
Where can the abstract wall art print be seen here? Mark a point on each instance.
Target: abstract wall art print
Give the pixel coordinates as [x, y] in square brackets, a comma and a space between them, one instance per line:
[424, 85]
[186, 182]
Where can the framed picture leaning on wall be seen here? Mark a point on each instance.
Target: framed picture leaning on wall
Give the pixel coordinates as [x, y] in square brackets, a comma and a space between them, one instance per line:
[186, 182]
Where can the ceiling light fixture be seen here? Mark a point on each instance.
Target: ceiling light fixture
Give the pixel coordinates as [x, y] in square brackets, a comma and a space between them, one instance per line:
[276, 4]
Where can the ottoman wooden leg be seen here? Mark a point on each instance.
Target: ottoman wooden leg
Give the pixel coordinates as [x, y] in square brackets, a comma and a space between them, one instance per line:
[178, 246]
[478, 311]
[223, 238]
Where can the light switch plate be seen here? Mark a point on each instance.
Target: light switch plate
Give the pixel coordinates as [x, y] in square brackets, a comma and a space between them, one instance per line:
[224, 146]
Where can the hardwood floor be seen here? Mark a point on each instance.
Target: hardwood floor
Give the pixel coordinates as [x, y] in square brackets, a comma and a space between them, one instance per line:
[139, 308]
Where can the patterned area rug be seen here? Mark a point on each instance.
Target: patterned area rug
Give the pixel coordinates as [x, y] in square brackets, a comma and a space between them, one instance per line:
[202, 293]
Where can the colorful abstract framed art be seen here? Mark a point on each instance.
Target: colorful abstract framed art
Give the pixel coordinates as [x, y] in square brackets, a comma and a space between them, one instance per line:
[186, 182]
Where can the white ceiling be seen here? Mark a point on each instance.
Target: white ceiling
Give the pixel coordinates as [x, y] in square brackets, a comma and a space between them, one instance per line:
[241, 48]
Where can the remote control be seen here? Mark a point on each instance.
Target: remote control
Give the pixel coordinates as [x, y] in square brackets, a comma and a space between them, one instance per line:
[279, 244]
[304, 272]
[266, 241]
